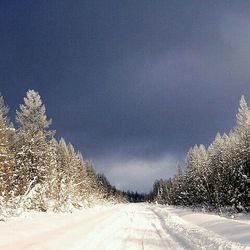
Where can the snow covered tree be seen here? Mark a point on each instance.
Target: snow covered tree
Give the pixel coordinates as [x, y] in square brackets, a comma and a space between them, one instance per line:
[64, 163]
[160, 191]
[242, 153]
[6, 157]
[81, 180]
[219, 176]
[37, 172]
[32, 150]
[71, 176]
[77, 176]
[53, 178]
[216, 166]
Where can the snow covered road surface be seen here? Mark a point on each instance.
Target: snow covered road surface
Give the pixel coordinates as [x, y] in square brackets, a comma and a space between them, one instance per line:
[125, 226]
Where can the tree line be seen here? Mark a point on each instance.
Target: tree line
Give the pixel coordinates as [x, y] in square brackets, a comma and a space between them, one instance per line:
[215, 177]
[37, 171]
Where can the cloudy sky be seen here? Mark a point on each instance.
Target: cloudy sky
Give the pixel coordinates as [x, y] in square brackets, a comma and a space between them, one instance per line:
[132, 84]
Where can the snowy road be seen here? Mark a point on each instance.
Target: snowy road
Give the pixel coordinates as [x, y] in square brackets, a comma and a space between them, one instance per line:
[125, 226]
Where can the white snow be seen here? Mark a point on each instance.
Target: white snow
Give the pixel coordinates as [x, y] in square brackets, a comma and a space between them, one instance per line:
[125, 226]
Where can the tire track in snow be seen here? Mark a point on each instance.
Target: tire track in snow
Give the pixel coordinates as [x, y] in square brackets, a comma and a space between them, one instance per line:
[131, 215]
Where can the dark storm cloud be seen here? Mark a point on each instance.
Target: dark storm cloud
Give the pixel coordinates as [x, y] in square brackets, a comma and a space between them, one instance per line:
[133, 84]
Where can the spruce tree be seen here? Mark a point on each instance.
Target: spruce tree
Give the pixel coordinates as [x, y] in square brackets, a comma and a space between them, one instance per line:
[242, 153]
[32, 161]
[6, 157]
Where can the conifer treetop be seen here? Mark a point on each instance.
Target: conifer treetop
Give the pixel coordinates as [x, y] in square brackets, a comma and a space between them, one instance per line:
[3, 111]
[32, 113]
[243, 115]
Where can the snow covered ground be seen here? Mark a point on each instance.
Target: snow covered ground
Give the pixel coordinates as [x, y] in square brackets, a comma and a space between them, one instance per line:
[125, 226]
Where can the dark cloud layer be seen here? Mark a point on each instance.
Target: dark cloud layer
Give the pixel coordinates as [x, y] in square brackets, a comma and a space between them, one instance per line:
[133, 84]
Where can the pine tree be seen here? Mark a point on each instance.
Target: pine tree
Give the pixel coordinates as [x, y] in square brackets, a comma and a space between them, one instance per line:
[64, 178]
[32, 161]
[242, 153]
[6, 157]
[53, 178]
[81, 180]
[77, 176]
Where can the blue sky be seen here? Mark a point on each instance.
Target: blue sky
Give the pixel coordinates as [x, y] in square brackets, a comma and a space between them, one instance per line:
[132, 84]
